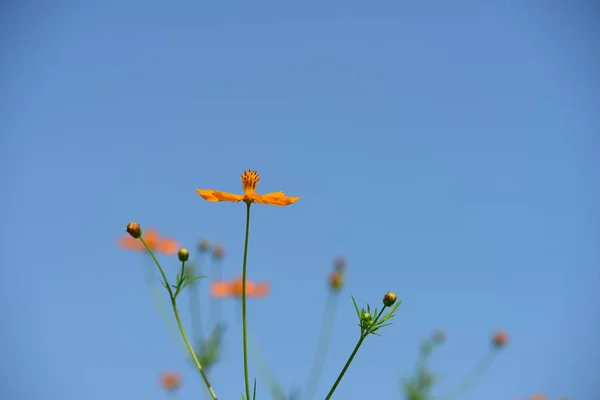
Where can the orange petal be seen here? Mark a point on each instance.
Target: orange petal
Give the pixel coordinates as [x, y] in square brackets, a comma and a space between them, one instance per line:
[129, 243]
[262, 289]
[207, 195]
[220, 289]
[168, 246]
[278, 199]
[224, 196]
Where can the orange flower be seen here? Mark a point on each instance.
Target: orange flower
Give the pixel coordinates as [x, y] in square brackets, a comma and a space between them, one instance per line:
[153, 240]
[249, 181]
[233, 288]
[500, 339]
[170, 380]
[538, 396]
[336, 280]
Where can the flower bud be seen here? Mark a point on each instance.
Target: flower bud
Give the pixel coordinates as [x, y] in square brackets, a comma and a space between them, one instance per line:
[203, 245]
[218, 251]
[366, 316]
[389, 299]
[183, 255]
[134, 229]
[439, 336]
[499, 339]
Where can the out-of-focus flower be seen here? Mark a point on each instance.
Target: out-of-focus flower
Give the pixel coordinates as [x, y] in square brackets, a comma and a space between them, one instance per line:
[153, 240]
[499, 339]
[538, 396]
[336, 280]
[439, 336]
[170, 380]
[203, 245]
[233, 288]
[250, 179]
[218, 251]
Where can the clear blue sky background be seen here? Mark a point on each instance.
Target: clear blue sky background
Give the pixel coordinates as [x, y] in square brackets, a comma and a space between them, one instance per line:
[447, 149]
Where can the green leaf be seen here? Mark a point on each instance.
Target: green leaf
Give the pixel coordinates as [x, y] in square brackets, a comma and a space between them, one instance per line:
[356, 308]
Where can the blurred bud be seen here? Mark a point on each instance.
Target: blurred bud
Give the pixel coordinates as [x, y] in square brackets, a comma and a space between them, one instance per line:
[170, 381]
[439, 336]
[499, 339]
[218, 251]
[339, 264]
[183, 255]
[366, 316]
[336, 280]
[203, 245]
[389, 299]
[134, 229]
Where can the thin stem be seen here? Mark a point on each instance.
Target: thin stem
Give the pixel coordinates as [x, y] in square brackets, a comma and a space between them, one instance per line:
[321, 351]
[339, 378]
[244, 323]
[155, 293]
[191, 350]
[179, 323]
[469, 381]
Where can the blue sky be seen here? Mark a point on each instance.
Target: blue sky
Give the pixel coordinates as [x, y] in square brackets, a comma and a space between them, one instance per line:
[447, 149]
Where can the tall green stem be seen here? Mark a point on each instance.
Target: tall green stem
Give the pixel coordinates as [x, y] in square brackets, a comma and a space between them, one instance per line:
[191, 350]
[178, 318]
[244, 333]
[321, 351]
[341, 375]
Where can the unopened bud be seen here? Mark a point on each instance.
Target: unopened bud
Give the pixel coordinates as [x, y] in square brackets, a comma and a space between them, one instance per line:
[204, 245]
[389, 299]
[439, 336]
[183, 255]
[134, 229]
[499, 339]
[218, 251]
[366, 316]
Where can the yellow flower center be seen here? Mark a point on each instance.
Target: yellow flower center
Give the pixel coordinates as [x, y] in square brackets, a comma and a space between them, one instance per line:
[249, 180]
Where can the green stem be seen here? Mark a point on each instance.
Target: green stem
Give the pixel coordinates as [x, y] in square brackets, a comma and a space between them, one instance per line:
[341, 375]
[244, 323]
[321, 351]
[469, 381]
[191, 350]
[178, 318]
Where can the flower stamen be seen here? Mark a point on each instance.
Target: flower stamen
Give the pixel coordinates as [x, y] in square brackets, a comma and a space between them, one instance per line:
[250, 179]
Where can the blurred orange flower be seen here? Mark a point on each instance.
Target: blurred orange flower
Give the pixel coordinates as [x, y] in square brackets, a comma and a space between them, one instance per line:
[538, 396]
[500, 338]
[233, 288]
[153, 240]
[250, 179]
[170, 380]
[336, 280]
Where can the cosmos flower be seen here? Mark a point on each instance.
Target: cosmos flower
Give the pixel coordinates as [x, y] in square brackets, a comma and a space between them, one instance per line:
[250, 179]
